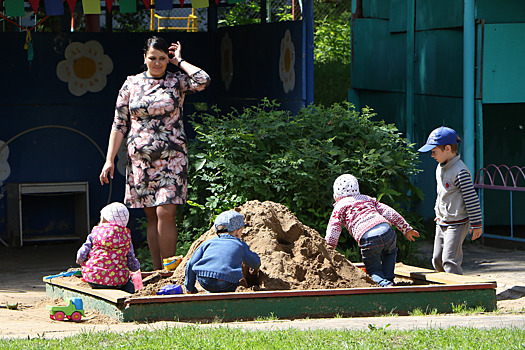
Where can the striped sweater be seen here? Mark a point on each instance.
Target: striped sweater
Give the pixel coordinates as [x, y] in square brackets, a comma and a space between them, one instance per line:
[359, 214]
[457, 201]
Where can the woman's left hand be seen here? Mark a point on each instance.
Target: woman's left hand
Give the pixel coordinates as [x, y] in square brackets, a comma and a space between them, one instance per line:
[175, 50]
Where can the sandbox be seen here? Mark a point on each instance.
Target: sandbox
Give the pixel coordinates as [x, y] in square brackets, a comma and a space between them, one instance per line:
[431, 291]
[300, 277]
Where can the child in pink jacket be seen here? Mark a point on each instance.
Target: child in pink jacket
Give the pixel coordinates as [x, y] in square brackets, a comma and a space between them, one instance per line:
[107, 256]
[369, 222]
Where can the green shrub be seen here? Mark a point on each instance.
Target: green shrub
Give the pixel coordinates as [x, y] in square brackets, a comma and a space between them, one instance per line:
[265, 153]
[332, 66]
[332, 40]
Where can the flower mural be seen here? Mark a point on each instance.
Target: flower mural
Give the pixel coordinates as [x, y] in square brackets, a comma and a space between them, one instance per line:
[287, 62]
[85, 67]
[226, 60]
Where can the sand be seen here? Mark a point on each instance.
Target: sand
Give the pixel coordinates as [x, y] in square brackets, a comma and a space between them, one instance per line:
[293, 255]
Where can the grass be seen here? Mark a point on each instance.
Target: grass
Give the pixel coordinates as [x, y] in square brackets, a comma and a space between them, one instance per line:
[270, 317]
[462, 309]
[193, 337]
[419, 312]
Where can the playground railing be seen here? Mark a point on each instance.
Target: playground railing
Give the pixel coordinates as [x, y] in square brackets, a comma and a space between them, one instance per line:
[501, 178]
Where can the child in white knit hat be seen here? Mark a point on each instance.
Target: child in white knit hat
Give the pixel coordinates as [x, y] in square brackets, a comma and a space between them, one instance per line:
[369, 222]
[107, 256]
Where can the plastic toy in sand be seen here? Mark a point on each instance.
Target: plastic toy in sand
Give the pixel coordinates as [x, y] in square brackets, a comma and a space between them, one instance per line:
[170, 289]
[172, 263]
[74, 310]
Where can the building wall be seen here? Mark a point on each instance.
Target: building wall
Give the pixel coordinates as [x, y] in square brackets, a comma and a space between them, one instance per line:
[379, 78]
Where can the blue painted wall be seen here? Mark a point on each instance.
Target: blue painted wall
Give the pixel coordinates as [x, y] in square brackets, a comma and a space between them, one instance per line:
[59, 137]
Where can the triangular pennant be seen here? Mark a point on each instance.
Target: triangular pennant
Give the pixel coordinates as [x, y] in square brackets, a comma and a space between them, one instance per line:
[72, 4]
[109, 5]
[198, 4]
[217, 2]
[163, 5]
[127, 6]
[181, 3]
[14, 8]
[147, 3]
[91, 7]
[34, 5]
[54, 7]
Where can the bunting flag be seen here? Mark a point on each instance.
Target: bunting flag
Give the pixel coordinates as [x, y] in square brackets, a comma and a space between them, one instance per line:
[54, 7]
[127, 6]
[199, 4]
[164, 5]
[109, 5]
[34, 5]
[14, 8]
[72, 4]
[181, 3]
[147, 3]
[91, 7]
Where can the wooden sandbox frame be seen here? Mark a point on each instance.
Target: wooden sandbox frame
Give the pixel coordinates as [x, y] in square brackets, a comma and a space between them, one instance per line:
[431, 291]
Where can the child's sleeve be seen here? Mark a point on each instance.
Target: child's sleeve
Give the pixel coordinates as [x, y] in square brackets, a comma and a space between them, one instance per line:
[464, 182]
[133, 263]
[334, 228]
[190, 277]
[251, 259]
[393, 217]
[83, 252]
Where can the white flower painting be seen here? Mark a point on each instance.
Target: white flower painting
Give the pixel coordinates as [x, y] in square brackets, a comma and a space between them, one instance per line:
[287, 62]
[85, 67]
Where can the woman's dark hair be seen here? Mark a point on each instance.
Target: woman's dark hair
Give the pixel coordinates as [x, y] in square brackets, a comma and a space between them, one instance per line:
[157, 43]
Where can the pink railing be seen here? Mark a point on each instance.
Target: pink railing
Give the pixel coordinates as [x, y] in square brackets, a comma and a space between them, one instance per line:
[501, 177]
[505, 178]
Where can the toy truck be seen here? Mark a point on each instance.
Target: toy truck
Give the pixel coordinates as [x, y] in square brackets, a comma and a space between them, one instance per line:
[74, 310]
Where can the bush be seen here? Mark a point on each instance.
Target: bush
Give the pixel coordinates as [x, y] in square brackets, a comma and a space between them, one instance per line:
[332, 40]
[265, 153]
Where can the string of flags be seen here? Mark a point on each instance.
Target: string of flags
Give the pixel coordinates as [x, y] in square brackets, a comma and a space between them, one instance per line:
[16, 8]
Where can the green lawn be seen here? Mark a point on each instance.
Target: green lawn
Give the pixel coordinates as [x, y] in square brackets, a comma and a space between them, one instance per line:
[193, 337]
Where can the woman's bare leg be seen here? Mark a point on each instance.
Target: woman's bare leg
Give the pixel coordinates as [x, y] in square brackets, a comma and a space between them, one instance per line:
[152, 235]
[167, 228]
[161, 233]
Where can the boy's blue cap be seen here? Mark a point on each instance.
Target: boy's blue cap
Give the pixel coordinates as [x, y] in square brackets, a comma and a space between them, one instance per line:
[230, 219]
[440, 136]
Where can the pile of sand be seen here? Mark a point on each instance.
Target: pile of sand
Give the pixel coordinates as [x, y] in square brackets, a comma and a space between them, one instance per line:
[293, 256]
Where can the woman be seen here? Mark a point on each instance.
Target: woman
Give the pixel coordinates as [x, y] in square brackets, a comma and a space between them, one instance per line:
[149, 107]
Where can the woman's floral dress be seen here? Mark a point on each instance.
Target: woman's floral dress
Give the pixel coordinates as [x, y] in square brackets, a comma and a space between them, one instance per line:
[150, 109]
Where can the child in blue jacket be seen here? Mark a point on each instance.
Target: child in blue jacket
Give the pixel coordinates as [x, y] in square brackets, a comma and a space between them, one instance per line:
[217, 263]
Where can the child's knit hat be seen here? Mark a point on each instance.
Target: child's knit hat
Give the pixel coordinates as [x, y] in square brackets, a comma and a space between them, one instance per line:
[345, 185]
[116, 213]
[231, 220]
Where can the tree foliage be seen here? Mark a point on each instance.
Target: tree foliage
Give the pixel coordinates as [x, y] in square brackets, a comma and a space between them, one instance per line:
[265, 153]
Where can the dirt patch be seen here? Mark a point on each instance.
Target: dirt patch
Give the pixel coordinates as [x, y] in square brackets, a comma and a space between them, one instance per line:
[293, 256]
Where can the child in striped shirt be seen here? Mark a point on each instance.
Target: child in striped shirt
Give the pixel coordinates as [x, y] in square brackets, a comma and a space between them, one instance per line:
[457, 205]
[369, 222]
